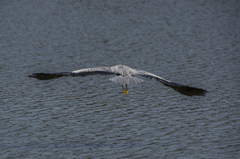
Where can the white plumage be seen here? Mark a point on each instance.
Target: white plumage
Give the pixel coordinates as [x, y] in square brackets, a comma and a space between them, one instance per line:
[125, 76]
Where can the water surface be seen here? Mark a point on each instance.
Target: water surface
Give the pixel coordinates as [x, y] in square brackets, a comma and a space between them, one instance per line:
[193, 43]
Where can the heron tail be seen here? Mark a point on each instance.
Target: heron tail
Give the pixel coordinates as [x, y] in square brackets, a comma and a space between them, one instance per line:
[126, 80]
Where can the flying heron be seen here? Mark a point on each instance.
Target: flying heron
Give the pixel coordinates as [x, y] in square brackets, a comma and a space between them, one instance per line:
[125, 76]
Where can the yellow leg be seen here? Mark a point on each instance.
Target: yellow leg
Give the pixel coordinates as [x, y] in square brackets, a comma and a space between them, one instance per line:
[124, 91]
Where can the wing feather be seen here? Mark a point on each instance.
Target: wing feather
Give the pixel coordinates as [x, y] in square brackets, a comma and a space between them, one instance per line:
[93, 71]
[183, 89]
[82, 72]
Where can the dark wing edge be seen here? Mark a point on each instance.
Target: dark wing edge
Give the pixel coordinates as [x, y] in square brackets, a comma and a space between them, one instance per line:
[183, 89]
[82, 72]
[48, 76]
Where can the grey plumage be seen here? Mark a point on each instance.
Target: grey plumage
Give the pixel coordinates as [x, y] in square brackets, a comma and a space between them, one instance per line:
[124, 75]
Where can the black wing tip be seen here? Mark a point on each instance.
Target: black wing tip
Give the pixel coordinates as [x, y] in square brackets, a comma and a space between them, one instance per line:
[40, 76]
[204, 92]
[35, 75]
[31, 75]
[47, 76]
[192, 91]
[186, 90]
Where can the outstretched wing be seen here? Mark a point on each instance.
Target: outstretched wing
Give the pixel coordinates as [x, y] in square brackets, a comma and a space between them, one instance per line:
[93, 71]
[183, 89]
[82, 72]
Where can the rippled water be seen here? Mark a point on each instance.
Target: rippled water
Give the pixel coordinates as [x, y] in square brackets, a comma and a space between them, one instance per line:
[194, 43]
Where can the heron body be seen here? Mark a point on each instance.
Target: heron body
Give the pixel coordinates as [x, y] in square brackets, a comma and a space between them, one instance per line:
[125, 76]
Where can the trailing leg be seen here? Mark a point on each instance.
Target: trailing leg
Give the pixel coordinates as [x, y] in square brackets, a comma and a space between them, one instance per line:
[124, 91]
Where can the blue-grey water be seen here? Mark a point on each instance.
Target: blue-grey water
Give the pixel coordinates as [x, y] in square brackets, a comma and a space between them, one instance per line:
[190, 42]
